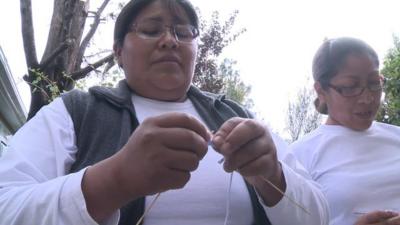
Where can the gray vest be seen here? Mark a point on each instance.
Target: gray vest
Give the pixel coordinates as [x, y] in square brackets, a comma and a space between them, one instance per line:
[104, 119]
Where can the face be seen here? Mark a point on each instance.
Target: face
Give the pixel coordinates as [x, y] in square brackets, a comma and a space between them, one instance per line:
[355, 112]
[162, 68]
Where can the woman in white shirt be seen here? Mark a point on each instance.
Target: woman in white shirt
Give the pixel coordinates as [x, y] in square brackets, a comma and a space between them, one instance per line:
[101, 157]
[354, 158]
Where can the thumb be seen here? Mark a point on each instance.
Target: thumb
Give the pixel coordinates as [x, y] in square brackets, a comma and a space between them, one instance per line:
[220, 137]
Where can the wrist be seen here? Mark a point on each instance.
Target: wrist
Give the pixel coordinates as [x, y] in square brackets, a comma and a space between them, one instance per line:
[271, 187]
[103, 189]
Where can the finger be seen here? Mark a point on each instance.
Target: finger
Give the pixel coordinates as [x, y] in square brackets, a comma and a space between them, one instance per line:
[244, 132]
[183, 120]
[184, 140]
[394, 220]
[249, 152]
[223, 132]
[175, 179]
[375, 217]
[181, 160]
[257, 166]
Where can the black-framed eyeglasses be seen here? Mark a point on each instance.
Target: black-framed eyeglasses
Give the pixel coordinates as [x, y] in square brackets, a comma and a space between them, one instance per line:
[357, 90]
[153, 30]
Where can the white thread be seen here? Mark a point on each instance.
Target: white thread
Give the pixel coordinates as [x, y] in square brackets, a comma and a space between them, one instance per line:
[148, 209]
[228, 201]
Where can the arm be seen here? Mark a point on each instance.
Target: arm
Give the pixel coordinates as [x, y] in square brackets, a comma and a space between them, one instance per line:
[379, 218]
[302, 190]
[34, 187]
[249, 149]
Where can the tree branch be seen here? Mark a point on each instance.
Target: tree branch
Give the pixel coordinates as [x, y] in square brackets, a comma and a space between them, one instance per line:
[55, 53]
[92, 31]
[83, 72]
[97, 54]
[28, 36]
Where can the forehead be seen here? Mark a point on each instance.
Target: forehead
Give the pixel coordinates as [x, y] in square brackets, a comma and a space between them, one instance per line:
[358, 65]
[169, 11]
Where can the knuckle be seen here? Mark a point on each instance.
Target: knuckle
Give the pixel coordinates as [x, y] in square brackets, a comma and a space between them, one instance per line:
[194, 165]
[148, 135]
[149, 120]
[182, 180]
[251, 124]
[192, 137]
[186, 118]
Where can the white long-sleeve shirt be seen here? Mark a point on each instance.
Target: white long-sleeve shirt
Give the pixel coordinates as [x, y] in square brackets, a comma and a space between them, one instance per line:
[35, 187]
[358, 170]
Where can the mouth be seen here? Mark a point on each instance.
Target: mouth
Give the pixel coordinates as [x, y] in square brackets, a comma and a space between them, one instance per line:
[365, 114]
[168, 60]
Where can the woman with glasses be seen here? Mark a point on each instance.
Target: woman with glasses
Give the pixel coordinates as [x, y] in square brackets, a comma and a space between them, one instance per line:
[105, 156]
[355, 159]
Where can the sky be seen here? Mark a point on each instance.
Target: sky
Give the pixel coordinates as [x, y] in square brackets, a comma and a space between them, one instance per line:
[274, 55]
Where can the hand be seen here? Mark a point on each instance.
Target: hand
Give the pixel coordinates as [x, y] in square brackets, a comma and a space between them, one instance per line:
[248, 149]
[379, 218]
[160, 154]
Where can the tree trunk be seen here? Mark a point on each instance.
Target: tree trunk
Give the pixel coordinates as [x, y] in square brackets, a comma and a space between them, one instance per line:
[60, 55]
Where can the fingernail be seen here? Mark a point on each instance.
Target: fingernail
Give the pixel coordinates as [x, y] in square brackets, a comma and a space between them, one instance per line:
[216, 141]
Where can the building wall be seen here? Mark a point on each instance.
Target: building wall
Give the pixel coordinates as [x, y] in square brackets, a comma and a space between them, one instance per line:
[3, 140]
[12, 111]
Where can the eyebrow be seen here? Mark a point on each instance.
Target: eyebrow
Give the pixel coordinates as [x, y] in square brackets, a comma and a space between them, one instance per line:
[354, 76]
[156, 18]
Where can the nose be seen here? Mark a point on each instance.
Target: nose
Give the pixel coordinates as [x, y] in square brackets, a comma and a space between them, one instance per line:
[168, 40]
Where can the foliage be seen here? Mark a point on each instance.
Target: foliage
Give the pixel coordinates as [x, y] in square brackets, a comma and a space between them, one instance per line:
[69, 56]
[214, 37]
[390, 110]
[107, 79]
[233, 86]
[302, 117]
[41, 80]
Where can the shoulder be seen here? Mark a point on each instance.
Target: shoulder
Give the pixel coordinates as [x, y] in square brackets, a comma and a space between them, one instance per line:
[307, 145]
[74, 95]
[386, 129]
[74, 100]
[219, 102]
[48, 119]
[380, 125]
[309, 138]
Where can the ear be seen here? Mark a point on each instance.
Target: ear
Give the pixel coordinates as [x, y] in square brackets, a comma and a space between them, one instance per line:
[117, 54]
[320, 91]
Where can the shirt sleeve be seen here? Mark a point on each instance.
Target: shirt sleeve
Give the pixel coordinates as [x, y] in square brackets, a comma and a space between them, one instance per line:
[299, 188]
[34, 185]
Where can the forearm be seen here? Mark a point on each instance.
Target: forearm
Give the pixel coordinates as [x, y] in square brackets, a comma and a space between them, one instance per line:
[304, 204]
[57, 201]
[103, 193]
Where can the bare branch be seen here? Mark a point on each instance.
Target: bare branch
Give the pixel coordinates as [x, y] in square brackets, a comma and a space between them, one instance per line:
[53, 55]
[92, 31]
[108, 66]
[98, 54]
[28, 36]
[83, 72]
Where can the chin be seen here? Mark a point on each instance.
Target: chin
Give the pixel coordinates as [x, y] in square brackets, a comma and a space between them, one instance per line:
[362, 126]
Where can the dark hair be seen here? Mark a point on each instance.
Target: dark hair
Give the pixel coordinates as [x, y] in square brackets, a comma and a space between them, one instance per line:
[331, 56]
[133, 8]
